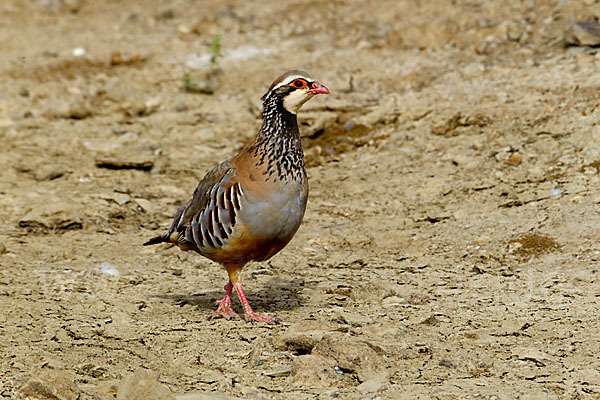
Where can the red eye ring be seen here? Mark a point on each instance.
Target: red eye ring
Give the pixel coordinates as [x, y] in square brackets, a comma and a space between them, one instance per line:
[299, 83]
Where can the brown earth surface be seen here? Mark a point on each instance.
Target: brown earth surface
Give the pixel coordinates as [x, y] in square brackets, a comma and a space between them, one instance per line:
[450, 246]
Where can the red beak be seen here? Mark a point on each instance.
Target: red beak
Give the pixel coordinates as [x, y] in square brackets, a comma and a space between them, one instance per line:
[316, 87]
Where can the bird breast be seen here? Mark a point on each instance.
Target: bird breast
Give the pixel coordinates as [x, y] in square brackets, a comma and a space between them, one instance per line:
[276, 214]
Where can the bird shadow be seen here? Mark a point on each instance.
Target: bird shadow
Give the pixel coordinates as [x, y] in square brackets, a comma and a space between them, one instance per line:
[276, 295]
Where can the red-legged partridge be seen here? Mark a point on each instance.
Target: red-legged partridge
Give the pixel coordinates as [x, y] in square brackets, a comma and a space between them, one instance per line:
[249, 207]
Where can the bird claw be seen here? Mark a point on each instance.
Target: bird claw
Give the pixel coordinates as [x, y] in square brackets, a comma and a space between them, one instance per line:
[254, 317]
[223, 311]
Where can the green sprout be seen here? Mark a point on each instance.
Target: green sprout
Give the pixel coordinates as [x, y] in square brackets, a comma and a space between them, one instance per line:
[216, 52]
[190, 86]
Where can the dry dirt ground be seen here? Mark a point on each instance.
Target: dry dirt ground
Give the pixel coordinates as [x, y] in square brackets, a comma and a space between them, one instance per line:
[450, 246]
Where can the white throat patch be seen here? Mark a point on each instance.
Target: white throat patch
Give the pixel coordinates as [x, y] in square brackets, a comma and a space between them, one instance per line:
[293, 101]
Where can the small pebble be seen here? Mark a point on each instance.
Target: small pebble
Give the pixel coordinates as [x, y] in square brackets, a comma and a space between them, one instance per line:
[108, 269]
[122, 189]
[15, 115]
[78, 51]
[513, 31]
[556, 192]
[514, 159]
[583, 33]
[119, 129]
[181, 107]
[49, 172]
[211, 117]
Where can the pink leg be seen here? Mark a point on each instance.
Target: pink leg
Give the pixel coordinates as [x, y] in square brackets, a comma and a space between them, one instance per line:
[249, 315]
[224, 310]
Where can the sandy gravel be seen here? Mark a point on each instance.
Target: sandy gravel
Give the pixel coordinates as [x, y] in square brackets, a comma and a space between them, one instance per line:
[450, 246]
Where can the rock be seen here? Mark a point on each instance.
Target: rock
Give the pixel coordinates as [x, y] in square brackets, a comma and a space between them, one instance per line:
[431, 320]
[204, 396]
[119, 198]
[146, 205]
[122, 189]
[279, 372]
[512, 31]
[353, 319]
[120, 163]
[20, 115]
[372, 385]
[142, 384]
[119, 129]
[118, 58]
[392, 302]
[109, 269]
[121, 326]
[152, 104]
[514, 159]
[50, 384]
[72, 6]
[3, 249]
[252, 393]
[583, 33]
[181, 107]
[314, 371]
[473, 70]
[49, 172]
[351, 355]
[533, 355]
[449, 127]
[74, 109]
[51, 217]
[299, 342]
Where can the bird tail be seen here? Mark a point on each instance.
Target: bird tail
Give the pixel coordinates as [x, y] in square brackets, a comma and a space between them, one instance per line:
[167, 236]
[156, 240]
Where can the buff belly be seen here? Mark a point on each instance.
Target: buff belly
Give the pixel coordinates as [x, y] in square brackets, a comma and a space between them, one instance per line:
[266, 225]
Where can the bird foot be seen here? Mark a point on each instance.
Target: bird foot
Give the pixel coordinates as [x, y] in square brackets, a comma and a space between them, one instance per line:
[224, 311]
[254, 317]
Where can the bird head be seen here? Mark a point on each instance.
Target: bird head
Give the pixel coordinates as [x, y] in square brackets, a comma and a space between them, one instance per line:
[293, 89]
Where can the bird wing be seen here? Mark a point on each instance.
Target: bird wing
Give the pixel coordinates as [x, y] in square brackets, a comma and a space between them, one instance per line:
[209, 217]
[221, 175]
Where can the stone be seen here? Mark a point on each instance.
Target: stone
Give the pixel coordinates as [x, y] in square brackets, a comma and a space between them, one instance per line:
[143, 384]
[50, 384]
[371, 386]
[353, 319]
[352, 355]
[181, 107]
[204, 396]
[118, 162]
[49, 172]
[51, 216]
[512, 31]
[147, 206]
[279, 372]
[583, 33]
[314, 371]
[392, 302]
[299, 342]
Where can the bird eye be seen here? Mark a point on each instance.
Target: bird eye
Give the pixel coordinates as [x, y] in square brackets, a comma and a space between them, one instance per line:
[299, 83]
